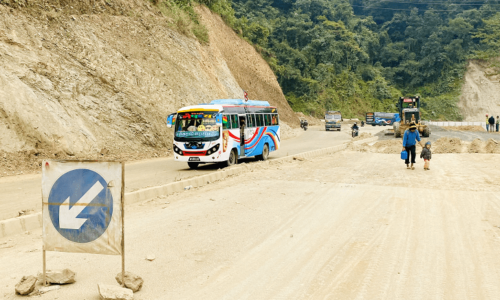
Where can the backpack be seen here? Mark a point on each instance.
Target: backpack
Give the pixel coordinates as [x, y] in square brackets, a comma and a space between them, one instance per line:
[491, 120]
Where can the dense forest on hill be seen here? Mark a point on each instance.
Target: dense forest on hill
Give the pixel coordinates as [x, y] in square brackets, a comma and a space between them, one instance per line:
[360, 55]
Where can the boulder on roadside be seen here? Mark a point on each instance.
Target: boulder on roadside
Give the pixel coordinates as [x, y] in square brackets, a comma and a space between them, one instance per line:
[26, 285]
[132, 281]
[46, 289]
[111, 292]
[65, 276]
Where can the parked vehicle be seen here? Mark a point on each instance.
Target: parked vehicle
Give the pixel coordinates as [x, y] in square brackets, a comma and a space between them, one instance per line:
[382, 118]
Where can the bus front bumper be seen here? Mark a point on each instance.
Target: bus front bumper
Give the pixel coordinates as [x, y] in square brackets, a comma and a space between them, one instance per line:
[200, 159]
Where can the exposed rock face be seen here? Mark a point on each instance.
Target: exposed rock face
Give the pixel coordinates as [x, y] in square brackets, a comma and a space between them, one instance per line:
[111, 292]
[132, 281]
[479, 92]
[26, 285]
[77, 81]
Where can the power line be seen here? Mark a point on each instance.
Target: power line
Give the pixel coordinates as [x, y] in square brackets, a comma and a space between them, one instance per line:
[439, 3]
[404, 9]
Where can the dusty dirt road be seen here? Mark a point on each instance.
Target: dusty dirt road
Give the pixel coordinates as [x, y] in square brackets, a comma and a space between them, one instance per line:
[439, 132]
[347, 226]
[19, 193]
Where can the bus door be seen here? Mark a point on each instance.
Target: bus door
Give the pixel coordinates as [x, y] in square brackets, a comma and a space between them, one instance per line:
[242, 121]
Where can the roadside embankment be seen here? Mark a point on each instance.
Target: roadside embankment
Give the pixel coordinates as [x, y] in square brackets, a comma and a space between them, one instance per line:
[33, 221]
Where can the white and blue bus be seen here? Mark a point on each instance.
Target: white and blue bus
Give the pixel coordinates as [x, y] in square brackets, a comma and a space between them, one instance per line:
[211, 133]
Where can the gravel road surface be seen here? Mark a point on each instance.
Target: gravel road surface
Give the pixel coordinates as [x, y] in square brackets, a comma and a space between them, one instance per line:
[353, 225]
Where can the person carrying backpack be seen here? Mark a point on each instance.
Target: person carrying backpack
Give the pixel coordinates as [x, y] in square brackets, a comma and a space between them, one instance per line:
[491, 121]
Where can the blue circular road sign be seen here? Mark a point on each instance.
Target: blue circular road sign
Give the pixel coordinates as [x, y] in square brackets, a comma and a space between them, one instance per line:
[80, 205]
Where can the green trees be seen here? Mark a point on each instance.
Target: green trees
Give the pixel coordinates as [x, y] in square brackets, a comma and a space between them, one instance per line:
[361, 55]
[321, 52]
[489, 36]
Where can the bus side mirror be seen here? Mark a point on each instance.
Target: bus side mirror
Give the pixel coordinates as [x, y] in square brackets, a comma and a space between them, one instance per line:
[171, 120]
[218, 119]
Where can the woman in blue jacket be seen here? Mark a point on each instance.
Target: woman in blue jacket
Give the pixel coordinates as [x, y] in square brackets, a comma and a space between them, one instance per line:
[410, 139]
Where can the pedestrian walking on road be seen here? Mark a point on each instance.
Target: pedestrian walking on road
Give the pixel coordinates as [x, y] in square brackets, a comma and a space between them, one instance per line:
[498, 123]
[426, 155]
[410, 139]
[487, 124]
[491, 121]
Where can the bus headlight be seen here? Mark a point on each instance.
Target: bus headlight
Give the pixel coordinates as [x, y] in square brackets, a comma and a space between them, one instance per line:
[213, 149]
[177, 150]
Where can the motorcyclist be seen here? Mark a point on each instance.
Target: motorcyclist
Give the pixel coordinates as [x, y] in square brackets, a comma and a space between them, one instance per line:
[355, 129]
[362, 123]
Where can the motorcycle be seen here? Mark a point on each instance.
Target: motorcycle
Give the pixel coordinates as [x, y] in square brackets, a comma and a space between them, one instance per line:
[355, 133]
[303, 125]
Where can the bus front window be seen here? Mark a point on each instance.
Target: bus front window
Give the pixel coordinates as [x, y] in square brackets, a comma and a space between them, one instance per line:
[199, 126]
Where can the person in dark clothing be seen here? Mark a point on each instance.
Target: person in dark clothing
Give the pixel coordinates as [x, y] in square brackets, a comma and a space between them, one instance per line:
[491, 121]
[498, 123]
[426, 155]
[410, 139]
[242, 137]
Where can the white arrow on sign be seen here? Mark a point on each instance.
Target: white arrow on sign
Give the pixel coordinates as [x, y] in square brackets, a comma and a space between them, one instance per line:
[68, 217]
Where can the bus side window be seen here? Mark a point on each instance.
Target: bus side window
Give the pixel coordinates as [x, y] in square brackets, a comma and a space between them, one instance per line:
[274, 119]
[277, 119]
[226, 121]
[250, 121]
[260, 122]
[235, 125]
[268, 119]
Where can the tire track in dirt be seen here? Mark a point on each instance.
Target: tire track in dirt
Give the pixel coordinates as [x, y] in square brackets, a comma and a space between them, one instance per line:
[309, 243]
[355, 250]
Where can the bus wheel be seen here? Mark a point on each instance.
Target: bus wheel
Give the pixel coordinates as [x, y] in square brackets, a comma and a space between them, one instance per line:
[265, 153]
[232, 159]
[193, 165]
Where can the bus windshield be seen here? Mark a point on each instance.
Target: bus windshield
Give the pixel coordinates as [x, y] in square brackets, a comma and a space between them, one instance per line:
[199, 126]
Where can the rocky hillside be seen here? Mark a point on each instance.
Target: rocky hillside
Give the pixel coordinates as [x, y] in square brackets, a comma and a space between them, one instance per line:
[81, 80]
[480, 92]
